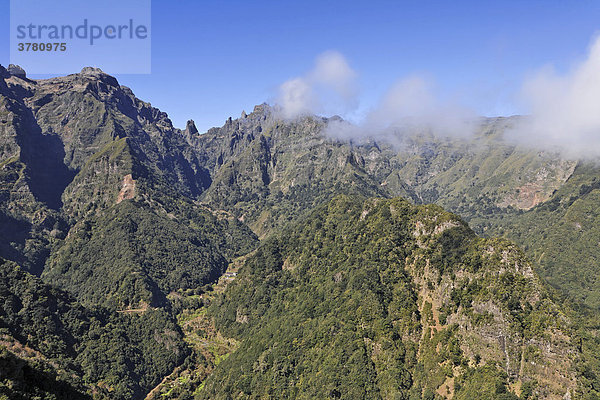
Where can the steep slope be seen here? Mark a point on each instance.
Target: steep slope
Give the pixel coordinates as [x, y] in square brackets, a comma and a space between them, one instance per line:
[561, 235]
[381, 299]
[32, 176]
[101, 196]
[99, 192]
[98, 196]
[260, 164]
[134, 255]
[268, 172]
[98, 122]
[475, 176]
[51, 345]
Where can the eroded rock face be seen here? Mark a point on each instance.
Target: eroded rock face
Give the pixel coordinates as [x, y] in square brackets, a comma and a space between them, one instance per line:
[540, 186]
[17, 71]
[95, 131]
[190, 128]
[127, 190]
[487, 327]
[263, 157]
[91, 71]
[69, 149]
[70, 146]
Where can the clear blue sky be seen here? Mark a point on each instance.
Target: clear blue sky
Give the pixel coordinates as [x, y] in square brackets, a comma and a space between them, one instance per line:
[212, 59]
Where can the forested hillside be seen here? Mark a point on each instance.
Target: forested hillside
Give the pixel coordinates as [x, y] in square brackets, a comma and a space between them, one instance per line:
[561, 235]
[267, 172]
[98, 197]
[53, 346]
[381, 299]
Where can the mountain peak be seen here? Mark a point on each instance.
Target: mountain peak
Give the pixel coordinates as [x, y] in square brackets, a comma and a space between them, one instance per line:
[92, 71]
[263, 108]
[17, 71]
[190, 127]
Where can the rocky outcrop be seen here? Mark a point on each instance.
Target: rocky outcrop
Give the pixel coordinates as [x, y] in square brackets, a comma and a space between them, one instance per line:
[127, 190]
[190, 128]
[408, 294]
[17, 71]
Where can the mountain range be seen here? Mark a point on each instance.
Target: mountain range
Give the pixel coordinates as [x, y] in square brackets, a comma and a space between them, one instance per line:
[268, 259]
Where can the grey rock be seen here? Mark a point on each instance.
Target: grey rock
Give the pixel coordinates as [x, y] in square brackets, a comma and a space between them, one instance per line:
[91, 71]
[97, 75]
[17, 71]
[190, 127]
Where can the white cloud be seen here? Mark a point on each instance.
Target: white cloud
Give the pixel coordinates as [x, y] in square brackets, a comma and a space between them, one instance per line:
[297, 98]
[332, 71]
[565, 109]
[411, 105]
[413, 101]
[329, 88]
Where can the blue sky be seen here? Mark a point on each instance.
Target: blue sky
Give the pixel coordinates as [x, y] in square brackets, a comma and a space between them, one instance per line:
[213, 59]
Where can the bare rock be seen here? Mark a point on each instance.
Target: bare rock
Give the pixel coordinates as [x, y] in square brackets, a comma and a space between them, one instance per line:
[91, 71]
[190, 127]
[17, 71]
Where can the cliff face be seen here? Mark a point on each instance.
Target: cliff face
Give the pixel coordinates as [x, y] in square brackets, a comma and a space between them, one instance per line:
[98, 196]
[268, 172]
[105, 133]
[75, 150]
[269, 160]
[32, 176]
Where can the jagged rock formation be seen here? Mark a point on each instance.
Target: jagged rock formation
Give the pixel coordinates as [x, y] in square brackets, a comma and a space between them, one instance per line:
[268, 171]
[262, 157]
[73, 149]
[17, 71]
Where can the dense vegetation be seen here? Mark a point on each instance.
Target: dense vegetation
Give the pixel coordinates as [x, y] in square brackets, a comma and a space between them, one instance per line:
[561, 235]
[87, 350]
[270, 172]
[132, 254]
[98, 197]
[340, 306]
